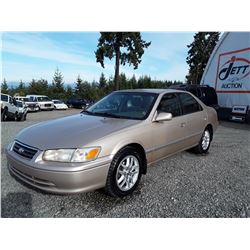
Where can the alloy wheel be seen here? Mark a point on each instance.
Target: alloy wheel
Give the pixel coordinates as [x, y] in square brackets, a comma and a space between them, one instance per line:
[127, 173]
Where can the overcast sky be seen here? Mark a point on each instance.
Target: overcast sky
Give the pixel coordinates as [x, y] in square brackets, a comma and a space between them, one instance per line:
[28, 55]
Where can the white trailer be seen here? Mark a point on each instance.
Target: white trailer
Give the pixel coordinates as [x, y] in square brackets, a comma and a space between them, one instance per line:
[228, 71]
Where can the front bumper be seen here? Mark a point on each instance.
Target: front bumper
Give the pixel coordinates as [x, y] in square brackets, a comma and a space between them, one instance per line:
[87, 179]
[46, 108]
[29, 108]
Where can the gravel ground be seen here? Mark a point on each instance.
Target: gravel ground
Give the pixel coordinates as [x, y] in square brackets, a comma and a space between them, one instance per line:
[184, 185]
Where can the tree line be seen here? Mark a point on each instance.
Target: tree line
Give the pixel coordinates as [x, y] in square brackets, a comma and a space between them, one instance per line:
[81, 88]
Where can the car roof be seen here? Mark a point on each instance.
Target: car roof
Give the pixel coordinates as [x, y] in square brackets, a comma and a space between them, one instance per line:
[155, 91]
[183, 86]
[37, 95]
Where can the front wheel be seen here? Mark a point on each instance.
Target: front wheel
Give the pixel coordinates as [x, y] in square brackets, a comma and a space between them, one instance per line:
[124, 173]
[204, 144]
[4, 115]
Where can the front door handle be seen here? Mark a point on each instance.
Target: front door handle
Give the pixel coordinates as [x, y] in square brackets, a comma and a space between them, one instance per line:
[183, 124]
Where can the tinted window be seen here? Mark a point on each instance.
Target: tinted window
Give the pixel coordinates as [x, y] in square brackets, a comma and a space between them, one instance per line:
[33, 99]
[170, 104]
[189, 104]
[210, 96]
[4, 98]
[43, 99]
[193, 91]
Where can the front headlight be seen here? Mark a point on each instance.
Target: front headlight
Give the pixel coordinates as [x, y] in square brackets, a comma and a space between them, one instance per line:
[72, 155]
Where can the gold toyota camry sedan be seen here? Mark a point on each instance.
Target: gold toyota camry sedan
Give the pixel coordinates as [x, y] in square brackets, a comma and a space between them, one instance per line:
[111, 144]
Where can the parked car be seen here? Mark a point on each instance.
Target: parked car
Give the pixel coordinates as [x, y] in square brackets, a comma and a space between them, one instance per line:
[22, 111]
[8, 108]
[205, 93]
[31, 105]
[44, 102]
[111, 144]
[59, 105]
[80, 103]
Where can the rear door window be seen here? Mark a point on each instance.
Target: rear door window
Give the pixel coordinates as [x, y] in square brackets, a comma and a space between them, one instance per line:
[189, 104]
[4, 98]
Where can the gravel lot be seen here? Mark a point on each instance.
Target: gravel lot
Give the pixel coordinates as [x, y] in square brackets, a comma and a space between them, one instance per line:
[184, 185]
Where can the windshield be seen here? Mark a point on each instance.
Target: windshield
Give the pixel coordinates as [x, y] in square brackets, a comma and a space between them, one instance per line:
[19, 104]
[129, 105]
[43, 99]
[58, 102]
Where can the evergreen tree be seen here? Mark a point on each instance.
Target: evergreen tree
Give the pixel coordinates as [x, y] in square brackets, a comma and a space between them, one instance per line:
[78, 88]
[4, 87]
[68, 92]
[38, 87]
[102, 82]
[83, 89]
[57, 82]
[21, 89]
[132, 82]
[123, 81]
[199, 52]
[126, 47]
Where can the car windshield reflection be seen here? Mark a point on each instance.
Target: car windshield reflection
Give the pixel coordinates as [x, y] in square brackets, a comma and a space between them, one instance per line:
[127, 105]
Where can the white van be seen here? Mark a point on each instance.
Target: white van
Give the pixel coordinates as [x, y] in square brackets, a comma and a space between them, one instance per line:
[31, 105]
[44, 102]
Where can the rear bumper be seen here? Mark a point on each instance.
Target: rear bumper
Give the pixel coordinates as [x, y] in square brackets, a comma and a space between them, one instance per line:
[58, 181]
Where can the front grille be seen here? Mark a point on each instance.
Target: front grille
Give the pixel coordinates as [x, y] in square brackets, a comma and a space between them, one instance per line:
[31, 105]
[47, 105]
[24, 151]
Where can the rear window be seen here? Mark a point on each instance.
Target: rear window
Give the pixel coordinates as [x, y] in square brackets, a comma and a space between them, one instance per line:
[210, 96]
[189, 104]
[4, 98]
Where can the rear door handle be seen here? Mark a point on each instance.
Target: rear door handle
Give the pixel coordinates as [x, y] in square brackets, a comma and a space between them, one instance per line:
[183, 124]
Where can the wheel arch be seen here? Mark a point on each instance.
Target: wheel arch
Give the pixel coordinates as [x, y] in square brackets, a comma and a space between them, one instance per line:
[140, 149]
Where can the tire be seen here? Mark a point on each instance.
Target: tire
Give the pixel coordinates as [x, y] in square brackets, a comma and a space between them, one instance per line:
[122, 180]
[16, 117]
[4, 115]
[24, 117]
[204, 143]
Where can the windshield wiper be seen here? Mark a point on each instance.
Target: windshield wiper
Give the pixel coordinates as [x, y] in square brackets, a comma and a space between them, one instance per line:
[106, 114]
[87, 112]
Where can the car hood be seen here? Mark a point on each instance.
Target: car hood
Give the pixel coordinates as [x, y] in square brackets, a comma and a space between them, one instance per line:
[72, 131]
[31, 103]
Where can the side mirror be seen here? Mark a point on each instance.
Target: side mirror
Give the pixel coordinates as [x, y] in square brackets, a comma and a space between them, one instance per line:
[163, 116]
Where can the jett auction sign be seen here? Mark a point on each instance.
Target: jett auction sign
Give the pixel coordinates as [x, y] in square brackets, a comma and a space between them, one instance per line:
[233, 72]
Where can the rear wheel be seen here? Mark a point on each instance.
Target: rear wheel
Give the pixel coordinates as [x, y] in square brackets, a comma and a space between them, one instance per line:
[205, 141]
[124, 173]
